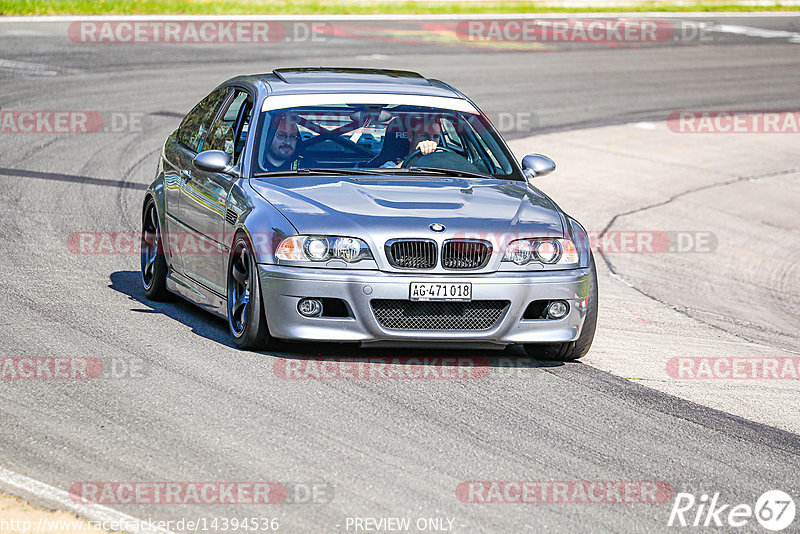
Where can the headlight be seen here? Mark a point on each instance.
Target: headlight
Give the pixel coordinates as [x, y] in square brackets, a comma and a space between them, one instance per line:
[317, 248]
[323, 248]
[519, 251]
[549, 251]
[350, 249]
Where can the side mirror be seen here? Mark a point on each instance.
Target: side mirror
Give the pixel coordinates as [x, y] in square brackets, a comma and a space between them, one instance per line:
[534, 165]
[214, 161]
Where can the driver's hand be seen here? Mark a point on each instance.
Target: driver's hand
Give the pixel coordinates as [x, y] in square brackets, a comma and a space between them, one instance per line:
[426, 147]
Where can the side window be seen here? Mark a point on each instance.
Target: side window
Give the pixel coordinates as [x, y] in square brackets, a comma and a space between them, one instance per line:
[229, 132]
[193, 129]
[485, 158]
[450, 135]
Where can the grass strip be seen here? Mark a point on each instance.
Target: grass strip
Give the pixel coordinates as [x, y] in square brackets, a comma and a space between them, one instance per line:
[332, 7]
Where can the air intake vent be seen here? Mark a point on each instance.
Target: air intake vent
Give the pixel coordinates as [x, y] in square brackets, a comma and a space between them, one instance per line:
[231, 217]
[412, 315]
[465, 254]
[411, 253]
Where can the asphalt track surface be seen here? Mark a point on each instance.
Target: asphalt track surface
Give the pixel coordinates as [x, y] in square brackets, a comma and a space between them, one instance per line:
[384, 448]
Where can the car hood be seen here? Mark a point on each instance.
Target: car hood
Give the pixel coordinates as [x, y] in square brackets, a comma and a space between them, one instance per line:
[407, 206]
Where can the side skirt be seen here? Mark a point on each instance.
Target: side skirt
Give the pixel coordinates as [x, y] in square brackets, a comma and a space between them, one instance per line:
[197, 294]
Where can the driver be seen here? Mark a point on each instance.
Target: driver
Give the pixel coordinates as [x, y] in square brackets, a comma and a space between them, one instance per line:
[282, 153]
[423, 135]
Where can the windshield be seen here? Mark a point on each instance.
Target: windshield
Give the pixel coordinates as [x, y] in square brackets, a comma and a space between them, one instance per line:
[385, 137]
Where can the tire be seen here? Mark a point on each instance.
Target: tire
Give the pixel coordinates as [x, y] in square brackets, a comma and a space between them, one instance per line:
[153, 263]
[247, 321]
[572, 350]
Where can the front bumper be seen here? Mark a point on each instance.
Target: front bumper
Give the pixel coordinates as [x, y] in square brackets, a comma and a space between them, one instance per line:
[283, 287]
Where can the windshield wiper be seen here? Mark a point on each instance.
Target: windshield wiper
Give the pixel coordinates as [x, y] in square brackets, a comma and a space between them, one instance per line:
[447, 172]
[312, 172]
[372, 172]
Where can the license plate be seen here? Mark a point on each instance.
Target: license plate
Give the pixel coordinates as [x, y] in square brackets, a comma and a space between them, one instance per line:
[436, 291]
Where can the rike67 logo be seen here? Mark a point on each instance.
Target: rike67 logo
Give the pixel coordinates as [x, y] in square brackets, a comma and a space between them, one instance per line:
[774, 511]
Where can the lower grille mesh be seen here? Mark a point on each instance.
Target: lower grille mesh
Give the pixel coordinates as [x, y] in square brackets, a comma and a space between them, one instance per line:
[413, 315]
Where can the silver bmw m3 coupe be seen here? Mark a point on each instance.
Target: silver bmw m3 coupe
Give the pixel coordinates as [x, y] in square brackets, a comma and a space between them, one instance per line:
[366, 206]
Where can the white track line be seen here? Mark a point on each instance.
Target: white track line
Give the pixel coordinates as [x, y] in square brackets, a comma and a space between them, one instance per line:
[63, 501]
[793, 37]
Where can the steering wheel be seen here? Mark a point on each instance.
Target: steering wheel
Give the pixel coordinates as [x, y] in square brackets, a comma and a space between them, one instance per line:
[418, 153]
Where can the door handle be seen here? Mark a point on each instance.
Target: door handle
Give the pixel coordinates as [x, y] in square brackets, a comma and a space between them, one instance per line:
[187, 173]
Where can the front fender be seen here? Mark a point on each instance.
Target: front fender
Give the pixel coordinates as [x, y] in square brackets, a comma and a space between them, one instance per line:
[580, 237]
[265, 225]
[156, 192]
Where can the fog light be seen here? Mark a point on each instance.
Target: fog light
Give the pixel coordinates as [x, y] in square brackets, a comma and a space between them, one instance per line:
[557, 309]
[310, 307]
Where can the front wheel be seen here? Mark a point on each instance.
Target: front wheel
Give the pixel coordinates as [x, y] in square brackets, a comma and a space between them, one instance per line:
[153, 262]
[246, 318]
[572, 350]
